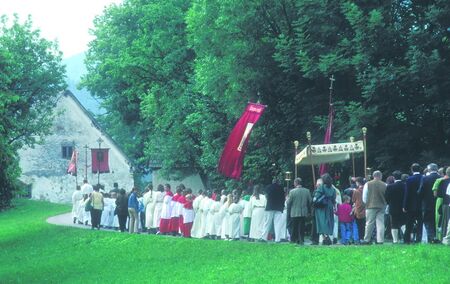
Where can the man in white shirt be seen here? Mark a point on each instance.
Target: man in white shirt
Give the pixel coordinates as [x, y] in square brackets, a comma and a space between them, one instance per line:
[86, 188]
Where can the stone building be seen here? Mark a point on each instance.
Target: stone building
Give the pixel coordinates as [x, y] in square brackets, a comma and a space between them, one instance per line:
[44, 167]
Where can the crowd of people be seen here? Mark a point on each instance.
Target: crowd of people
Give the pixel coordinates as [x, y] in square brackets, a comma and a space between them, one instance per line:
[405, 208]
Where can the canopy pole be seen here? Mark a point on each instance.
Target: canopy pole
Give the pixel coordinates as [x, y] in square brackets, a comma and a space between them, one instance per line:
[308, 136]
[352, 140]
[295, 165]
[364, 131]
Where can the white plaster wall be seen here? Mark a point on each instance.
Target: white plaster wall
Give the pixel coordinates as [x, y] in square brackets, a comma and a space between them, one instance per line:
[44, 168]
[193, 181]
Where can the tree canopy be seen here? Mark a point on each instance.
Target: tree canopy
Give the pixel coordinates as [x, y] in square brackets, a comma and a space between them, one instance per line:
[176, 74]
[31, 77]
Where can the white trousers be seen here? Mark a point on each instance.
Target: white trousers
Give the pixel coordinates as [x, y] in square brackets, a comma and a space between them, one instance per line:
[275, 218]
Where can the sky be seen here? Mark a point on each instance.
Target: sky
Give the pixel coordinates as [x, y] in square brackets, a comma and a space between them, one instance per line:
[67, 21]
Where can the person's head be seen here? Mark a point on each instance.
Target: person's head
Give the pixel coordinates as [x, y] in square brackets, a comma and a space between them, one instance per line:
[390, 180]
[134, 189]
[149, 187]
[359, 181]
[85, 181]
[405, 177]
[160, 188]
[377, 175]
[297, 182]
[179, 189]
[122, 191]
[188, 190]
[78, 187]
[182, 186]
[319, 182]
[415, 168]
[200, 192]
[257, 191]
[275, 180]
[115, 185]
[97, 188]
[346, 199]
[432, 167]
[447, 171]
[327, 179]
[167, 187]
[397, 175]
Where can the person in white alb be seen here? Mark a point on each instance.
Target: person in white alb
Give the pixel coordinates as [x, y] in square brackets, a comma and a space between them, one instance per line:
[257, 206]
[211, 228]
[157, 203]
[149, 208]
[87, 190]
[197, 224]
[235, 211]
[77, 198]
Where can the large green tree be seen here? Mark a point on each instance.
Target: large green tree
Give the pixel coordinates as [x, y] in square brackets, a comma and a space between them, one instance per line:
[177, 74]
[31, 77]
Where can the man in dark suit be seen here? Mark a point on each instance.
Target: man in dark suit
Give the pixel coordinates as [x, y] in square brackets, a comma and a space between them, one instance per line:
[394, 198]
[298, 208]
[411, 205]
[427, 202]
[274, 210]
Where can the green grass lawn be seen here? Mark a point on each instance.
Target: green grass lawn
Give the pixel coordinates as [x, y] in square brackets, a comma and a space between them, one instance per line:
[32, 251]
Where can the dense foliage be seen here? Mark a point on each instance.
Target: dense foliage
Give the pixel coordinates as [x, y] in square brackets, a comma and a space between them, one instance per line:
[31, 76]
[45, 253]
[176, 74]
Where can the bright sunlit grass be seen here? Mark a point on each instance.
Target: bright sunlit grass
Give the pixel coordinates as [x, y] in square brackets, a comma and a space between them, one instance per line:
[32, 251]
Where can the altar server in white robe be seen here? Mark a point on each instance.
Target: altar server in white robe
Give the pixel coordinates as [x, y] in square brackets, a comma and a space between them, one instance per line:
[166, 212]
[235, 211]
[197, 224]
[105, 212]
[218, 218]
[149, 208]
[158, 199]
[188, 214]
[212, 229]
[257, 203]
[86, 214]
[225, 230]
[205, 205]
[77, 197]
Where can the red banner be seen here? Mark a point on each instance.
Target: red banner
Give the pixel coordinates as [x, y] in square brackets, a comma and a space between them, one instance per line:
[72, 169]
[232, 158]
[100, 160]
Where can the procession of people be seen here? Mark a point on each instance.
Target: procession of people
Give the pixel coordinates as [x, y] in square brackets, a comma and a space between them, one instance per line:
[404, 208]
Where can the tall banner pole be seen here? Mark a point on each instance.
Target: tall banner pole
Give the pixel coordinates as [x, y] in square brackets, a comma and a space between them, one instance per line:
[99, 140]
[364, 131]
[86, 147]
[76, 169]
[352, 140]
[295, 165]
[308, 136]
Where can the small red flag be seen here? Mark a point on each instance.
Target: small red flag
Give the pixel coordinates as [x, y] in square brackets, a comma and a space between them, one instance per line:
[72, 169]
[232, 158]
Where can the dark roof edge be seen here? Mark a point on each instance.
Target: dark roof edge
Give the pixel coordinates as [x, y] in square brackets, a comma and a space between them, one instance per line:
[68, 93]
